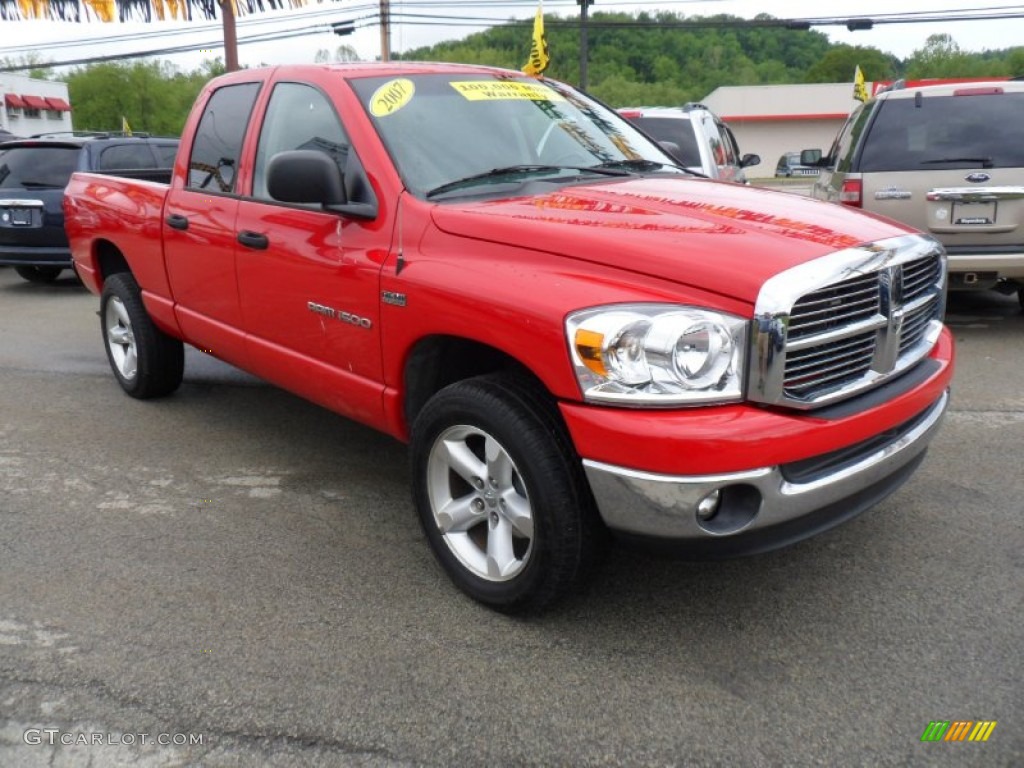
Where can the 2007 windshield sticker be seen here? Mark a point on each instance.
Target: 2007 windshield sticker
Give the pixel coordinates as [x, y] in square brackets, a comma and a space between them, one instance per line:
[487, 90]
[391, 97]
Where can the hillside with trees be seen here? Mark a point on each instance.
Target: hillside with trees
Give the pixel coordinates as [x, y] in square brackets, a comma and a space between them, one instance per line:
[643, 58]
[668, 58]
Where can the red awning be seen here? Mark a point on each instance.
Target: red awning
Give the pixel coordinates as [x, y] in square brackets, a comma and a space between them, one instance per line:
[14, 100]
[59, 104]
[35, 102]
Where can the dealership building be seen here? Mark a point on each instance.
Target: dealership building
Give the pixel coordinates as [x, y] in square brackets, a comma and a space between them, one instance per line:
[33, 106]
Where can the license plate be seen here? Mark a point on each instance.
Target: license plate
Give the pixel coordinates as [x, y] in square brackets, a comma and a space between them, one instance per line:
[21, 217]
[974, 214]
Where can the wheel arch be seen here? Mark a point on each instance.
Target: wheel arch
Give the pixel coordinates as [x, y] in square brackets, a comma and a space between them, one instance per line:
[435, 362]
[109, 260]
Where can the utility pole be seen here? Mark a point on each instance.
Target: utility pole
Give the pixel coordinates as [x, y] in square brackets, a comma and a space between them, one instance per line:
[385, 30]
[227, 15]
[583, 4]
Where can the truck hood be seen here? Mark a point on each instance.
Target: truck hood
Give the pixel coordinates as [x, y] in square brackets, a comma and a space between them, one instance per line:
[725, 238]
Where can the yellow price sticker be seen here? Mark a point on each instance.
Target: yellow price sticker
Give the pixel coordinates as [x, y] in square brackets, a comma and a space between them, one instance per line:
[489, 90]
[391, 97]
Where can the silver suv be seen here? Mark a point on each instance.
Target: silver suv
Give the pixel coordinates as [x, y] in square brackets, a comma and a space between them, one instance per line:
[696, 137]
[946, 159]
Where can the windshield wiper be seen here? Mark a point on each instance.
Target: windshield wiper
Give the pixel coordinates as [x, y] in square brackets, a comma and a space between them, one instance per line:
[40, 185]
[985, 162]
[497, 174]
[639, 164]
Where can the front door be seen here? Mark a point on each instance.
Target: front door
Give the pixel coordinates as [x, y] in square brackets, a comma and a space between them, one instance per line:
[308, 279]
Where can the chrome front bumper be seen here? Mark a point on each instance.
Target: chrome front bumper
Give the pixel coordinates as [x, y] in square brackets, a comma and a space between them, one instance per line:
[764, 508]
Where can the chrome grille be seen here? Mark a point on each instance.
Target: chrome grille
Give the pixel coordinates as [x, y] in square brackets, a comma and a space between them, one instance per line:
[915, 324]
[831, 328]
[828, 364]
[835, 306]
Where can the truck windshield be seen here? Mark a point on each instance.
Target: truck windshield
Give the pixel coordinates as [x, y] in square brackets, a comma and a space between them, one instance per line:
[453, 132]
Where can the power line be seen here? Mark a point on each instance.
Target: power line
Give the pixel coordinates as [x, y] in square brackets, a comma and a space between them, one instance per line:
[425, 20]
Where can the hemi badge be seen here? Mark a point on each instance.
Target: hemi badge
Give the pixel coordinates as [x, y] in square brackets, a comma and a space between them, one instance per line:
[391, 297]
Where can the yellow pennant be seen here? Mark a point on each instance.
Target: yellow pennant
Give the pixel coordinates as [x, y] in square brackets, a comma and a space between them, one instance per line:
[539, 58]
[860, 89]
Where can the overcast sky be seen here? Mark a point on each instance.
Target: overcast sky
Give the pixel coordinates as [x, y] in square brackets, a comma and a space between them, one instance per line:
[55, 40]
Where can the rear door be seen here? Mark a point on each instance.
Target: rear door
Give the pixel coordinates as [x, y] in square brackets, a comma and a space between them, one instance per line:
[199, 226]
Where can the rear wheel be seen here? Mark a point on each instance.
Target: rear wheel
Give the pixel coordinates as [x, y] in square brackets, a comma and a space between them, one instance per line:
[39, 274]
[146, 361]
[501, 495]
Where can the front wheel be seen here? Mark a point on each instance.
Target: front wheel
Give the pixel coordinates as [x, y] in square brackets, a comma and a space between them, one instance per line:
[501, 495]
[146, 361]
[39, 274]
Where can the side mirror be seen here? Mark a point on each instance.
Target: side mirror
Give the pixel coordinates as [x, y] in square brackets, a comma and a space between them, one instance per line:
[305, 176]
[749, 160]
[811, 157]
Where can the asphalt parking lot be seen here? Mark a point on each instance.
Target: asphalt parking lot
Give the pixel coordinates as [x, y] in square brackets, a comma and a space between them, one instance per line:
[236, 567]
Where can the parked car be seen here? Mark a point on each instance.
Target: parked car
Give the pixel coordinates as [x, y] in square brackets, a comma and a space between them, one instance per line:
[572, 333]
[945, 159]
[696, 137]
[33, 174]
[789, 165]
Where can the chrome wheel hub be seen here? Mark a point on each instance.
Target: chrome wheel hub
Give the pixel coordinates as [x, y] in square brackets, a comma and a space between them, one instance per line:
[480, 503]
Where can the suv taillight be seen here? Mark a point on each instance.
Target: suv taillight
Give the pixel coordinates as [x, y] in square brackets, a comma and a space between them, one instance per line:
[850, 194]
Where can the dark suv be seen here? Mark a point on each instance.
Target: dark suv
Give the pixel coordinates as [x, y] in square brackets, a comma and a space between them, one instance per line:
[33, 174]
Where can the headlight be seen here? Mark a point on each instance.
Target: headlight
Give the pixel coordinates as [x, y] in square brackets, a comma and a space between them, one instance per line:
[657, 354]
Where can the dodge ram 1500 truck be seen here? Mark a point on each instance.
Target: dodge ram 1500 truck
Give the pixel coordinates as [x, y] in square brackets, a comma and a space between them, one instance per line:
[573, 334]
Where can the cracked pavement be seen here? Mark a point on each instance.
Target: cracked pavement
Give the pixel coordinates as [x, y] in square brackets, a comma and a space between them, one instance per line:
[235, 564]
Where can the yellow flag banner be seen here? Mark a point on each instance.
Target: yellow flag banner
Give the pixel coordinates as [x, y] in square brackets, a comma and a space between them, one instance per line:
[539, 48]
[125, 128]
[860, 89]
[133, 10]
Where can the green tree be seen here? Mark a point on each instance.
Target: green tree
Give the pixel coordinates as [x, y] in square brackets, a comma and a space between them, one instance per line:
[153, 96]
[840, 62]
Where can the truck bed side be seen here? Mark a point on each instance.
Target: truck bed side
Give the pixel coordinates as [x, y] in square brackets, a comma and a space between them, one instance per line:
[112, 220]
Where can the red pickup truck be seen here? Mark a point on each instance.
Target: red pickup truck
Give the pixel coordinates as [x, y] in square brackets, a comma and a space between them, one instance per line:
[574, 334]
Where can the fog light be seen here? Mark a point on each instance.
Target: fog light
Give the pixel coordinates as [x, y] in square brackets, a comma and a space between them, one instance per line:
[707, 507]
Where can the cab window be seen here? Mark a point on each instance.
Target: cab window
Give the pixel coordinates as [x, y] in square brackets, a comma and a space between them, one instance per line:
[218, 142]
[298, 117]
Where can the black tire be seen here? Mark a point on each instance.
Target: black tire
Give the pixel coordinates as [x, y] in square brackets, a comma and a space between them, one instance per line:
[39, 274]
[543, 560]
[145, 360]
[1020, 298]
